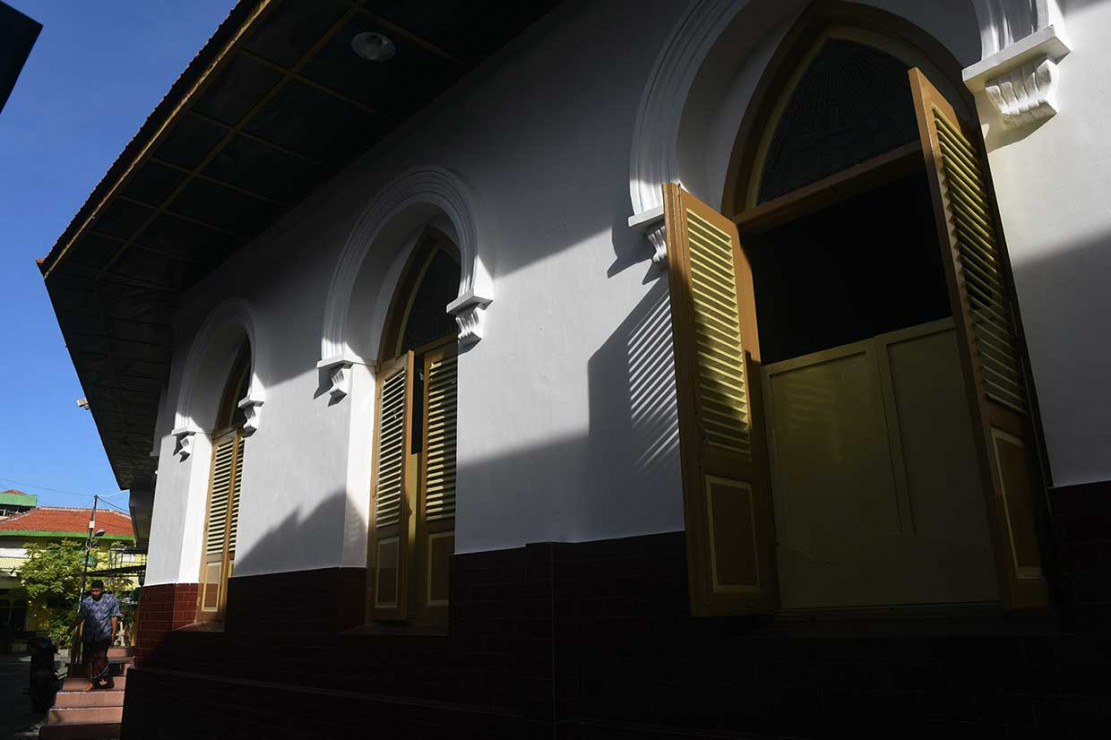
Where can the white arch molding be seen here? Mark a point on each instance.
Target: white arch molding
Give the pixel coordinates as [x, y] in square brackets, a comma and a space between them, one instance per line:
[430, 186]
[226, 320]
[1022, 40]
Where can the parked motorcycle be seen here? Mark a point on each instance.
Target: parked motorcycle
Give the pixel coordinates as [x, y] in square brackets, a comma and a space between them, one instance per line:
[44, 680]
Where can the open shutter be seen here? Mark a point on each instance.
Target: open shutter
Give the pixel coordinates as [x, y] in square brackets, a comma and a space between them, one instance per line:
[987, 330]
[727, 503]
[436, 528]
[393, 478]
[237, 486]
[222, 512]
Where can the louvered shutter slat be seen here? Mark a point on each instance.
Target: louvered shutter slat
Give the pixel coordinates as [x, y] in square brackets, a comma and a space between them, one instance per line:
[391, 451]
[714, 287]
[233, 527]
[222, 481]
[440, 436]
[978, 252]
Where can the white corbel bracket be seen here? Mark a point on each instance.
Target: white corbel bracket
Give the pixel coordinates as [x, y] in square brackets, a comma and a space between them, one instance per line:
[183, 440]
[469, 311]
[1021, 79]
[338, 370]
[651, 224]
[252, 410]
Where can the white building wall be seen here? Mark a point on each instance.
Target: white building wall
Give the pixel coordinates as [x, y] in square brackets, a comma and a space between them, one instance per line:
[567, 416]
[1052, 182]
[551, 446]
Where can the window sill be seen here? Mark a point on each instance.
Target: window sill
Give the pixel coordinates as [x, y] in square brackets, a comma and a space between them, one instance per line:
[924, 619]
[400, 629]
[202, 627]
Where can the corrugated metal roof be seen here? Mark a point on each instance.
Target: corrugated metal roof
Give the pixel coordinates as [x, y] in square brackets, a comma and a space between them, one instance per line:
[12, 497]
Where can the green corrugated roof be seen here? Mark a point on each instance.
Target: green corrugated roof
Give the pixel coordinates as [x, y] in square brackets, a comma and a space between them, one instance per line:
[18, 498]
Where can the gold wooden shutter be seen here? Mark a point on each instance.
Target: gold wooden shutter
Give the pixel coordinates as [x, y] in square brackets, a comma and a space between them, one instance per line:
[222, 510]
[388, 554]
[237, 487]
[727, 504]
[436, 526]
[991, 349]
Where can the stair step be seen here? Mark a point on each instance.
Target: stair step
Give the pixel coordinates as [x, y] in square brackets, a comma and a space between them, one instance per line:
[85, 716]
[78, 683]
[100, 698]
[117, 667]
[80, 732]
[120, 652]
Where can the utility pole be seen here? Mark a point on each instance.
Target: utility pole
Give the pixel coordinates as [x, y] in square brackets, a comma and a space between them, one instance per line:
[88, 547]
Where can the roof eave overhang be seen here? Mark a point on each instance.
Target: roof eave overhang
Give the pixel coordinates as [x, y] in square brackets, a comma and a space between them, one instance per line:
[275, 104]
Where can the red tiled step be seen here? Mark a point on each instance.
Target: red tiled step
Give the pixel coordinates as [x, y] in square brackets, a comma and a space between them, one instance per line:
[77, 683]
[120, 652]
[99, 698]
[118, 666]
[88, 723]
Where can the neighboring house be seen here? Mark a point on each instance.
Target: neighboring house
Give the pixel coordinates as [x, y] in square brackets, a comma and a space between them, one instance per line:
[13, 608]
[611, 370]
[16, 502]
[52, 524]
[17, 35]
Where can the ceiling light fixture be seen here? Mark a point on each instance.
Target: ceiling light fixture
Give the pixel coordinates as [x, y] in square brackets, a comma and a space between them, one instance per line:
[374, 47]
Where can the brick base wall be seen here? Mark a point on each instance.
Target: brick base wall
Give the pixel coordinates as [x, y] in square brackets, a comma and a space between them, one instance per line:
[163, 609]
[594, 640]
[1082, 528]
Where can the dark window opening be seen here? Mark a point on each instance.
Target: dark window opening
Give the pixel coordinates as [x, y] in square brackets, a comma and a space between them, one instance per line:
[865, 266]
[428, 321]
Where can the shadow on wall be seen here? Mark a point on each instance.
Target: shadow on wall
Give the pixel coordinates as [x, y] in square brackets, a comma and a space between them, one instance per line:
[1065, 308]
[627, 463]
[633, 409]
[308, 537]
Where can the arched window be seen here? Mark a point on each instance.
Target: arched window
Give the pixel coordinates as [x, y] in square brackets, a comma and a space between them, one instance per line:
[854, 407]
[412, 530]
[222, 510]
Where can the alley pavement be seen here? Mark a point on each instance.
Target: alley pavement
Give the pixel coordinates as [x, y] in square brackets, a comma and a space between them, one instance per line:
[17, 722]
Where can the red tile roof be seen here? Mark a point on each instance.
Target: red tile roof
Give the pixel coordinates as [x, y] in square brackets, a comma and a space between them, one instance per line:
[69, 521]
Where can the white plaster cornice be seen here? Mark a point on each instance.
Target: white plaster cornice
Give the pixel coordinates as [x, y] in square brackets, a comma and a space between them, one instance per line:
[469, 311]
[1023, 45]
[338, 369]
[252, 410]
[183, 437]
[651, 224]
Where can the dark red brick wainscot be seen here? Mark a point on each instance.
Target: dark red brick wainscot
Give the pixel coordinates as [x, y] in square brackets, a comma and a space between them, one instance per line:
[594, 640]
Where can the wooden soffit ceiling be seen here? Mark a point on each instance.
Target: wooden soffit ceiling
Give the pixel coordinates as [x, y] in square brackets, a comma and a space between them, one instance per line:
[276, 103]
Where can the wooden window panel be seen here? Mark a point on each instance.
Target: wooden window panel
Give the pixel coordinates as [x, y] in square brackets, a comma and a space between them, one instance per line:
[394, 474]
[435, 531]
[989, 337]
[221, 525]
[727, 506]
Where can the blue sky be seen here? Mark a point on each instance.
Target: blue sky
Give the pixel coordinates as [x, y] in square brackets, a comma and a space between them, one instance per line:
[95, 73]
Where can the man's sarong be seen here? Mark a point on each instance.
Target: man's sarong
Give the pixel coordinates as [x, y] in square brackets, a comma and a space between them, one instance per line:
[97, 668]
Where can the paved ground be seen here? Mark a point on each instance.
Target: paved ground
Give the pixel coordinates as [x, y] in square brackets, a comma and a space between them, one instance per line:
[16, 720]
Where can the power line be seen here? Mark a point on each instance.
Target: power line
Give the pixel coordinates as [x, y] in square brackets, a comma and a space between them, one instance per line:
[113, 506]
[56, 490]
